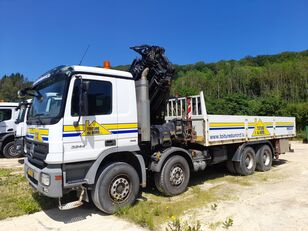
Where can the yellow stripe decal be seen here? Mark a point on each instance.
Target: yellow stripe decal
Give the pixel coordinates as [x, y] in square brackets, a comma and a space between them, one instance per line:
[41, 131]
[71, 128]
[226, 124]
[284, 123]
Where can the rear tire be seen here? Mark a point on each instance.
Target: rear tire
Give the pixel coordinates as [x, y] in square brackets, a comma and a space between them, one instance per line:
[264, 158]
[174, 177]
[247, 164]
[9, 150]
[116, 187]
[231, 167]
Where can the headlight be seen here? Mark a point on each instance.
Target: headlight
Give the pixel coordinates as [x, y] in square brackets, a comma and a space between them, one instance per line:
[45, 179]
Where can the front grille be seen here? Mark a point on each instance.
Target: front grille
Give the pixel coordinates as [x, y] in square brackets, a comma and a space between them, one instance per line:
[36, 153]
[33, 180]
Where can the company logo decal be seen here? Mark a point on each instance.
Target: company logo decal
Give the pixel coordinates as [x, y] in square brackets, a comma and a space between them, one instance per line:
[260, 129]
[94, 129]
[38, 134]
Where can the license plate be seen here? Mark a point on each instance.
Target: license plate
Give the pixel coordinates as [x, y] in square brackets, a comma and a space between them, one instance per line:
[30, 172]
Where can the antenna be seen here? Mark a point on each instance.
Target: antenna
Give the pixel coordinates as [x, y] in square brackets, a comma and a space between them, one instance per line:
[84, 54]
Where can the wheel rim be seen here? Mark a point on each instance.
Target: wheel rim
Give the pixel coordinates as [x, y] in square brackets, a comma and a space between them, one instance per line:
[249, 161]
[266, 158]
[176, 175]
[119, 189]
[12, 151]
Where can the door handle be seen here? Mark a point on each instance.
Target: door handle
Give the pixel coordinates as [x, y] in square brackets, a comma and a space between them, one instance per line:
[110, 143]
[10, 130]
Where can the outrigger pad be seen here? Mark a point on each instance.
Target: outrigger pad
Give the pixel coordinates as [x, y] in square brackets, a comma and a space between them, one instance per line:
[160, 73]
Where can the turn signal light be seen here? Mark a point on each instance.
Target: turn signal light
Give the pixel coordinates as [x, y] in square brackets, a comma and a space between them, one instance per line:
[58, 177]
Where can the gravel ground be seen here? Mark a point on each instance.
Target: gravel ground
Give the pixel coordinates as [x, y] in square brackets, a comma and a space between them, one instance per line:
[279, 203]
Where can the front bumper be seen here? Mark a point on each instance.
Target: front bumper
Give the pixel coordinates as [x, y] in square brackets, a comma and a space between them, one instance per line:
[54, 189]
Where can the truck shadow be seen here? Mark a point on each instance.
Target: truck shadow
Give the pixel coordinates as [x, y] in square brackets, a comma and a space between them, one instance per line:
[66, 216]
[83, 212]
[279, 162]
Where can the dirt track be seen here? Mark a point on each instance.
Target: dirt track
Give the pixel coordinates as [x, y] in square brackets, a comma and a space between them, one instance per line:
[11, 163]
[277, 203]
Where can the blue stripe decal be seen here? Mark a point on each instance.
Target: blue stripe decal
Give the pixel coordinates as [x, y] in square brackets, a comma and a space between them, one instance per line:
[113, 132]
[71, 134]
[227, 128]
[32, 137]
[45, 138]
[284, 126]
[125, 131]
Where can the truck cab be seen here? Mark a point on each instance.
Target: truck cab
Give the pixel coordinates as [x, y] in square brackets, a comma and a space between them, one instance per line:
[78, 115]
[8, 115]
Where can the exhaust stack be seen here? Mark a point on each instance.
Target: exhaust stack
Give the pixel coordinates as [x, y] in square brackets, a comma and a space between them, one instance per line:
[143, 106]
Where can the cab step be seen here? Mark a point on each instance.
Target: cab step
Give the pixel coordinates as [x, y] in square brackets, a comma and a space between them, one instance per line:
[72, 204]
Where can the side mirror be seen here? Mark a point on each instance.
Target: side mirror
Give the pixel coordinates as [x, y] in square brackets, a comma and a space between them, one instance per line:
[21, 93]
[84, 87]
[83, 99]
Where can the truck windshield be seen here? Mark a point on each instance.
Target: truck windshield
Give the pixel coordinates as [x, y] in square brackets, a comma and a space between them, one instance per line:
[47, 105]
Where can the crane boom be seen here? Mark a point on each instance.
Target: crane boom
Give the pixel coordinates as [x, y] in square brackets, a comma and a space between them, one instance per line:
[159, 77]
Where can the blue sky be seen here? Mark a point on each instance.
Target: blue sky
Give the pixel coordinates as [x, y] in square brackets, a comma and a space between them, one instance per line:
[37, 35]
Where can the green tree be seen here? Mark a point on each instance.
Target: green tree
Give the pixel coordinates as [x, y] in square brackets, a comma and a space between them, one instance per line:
[10, 84]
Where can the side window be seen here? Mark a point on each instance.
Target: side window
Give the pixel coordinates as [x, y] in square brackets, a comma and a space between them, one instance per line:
[99, 98]
[5, 114]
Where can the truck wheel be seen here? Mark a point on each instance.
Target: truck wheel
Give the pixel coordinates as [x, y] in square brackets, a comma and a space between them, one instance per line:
[231, 167]
[247, 164]
[174, 176]
[9, 150]
[117, 186]
[264, 158]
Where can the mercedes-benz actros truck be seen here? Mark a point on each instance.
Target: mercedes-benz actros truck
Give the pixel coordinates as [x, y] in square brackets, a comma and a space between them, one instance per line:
[101, 132]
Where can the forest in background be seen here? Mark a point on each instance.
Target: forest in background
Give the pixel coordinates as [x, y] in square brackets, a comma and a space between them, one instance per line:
[263, 85]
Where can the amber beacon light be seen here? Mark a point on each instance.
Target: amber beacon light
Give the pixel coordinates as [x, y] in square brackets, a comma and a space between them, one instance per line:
[106, 64]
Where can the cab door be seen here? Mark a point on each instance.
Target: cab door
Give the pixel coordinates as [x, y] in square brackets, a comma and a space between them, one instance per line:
[7, 119]
[96, 130]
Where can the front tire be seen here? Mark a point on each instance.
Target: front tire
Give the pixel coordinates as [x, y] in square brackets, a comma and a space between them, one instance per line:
[247, 164]
[174, 177]
[9, 150]
[117, 186]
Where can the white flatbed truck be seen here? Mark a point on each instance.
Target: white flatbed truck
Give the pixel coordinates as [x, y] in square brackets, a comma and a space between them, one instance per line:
[8, 116]
[100, 132]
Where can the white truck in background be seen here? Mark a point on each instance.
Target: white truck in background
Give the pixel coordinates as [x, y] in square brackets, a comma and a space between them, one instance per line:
[101, 132]
[8, 116]
[21, 126]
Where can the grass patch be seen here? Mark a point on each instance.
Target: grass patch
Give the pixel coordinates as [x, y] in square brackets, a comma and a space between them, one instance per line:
[156, 210]
[215, 225]
[17, 197]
